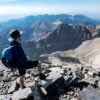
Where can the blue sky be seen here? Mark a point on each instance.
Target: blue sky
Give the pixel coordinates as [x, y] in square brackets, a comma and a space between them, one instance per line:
[18, 8]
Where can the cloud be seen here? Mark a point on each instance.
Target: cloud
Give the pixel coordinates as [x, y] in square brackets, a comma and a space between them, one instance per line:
[35, 7]
[40, 9]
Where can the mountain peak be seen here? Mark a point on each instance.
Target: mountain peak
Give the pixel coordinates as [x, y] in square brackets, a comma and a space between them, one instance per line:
[57, 22]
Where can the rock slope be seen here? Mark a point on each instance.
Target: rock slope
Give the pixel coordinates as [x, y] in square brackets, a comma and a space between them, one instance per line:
[68, 81]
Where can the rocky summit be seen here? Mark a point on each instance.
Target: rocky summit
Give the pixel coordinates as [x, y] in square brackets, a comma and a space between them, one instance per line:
[68, 47]
[65, 80]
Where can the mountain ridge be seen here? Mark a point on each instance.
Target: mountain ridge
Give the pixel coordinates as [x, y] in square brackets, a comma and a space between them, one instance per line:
[50, 33]
[68, 19]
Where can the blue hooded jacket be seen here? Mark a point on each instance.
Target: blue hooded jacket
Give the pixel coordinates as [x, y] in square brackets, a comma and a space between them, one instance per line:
[19, 57]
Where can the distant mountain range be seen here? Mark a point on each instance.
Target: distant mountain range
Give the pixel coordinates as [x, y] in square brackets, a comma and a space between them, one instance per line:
[67, 19]
[49, 33]
[36, 25]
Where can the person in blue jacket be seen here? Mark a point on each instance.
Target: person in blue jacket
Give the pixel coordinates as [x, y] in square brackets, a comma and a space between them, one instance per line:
[19, 57]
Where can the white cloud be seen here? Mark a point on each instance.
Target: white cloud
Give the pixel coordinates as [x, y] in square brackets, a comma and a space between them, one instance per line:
[52, 9]
[4, 10]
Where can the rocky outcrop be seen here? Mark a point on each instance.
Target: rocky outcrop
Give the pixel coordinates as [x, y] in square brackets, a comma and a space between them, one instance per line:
[89, 93]
[64, 37]
[95, 30]
[65, 82]
[89, 52]
[40, 28]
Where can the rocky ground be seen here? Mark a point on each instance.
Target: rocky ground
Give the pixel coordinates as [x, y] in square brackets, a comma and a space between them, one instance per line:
[64, 81]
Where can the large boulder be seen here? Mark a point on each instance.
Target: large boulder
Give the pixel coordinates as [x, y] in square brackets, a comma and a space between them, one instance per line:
[90, 93]
[22, 94]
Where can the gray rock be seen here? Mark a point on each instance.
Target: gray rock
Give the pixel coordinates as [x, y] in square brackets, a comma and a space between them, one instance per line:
[97, 83]
[5, 97]
[22, 94]
[1, 84]
[63, 97]
[79, 73]
[34, 73]
[1, 73]
[52, 77]
[13, 87]
[89, 93]
[30, 84]
[90, 73]
[71, 80]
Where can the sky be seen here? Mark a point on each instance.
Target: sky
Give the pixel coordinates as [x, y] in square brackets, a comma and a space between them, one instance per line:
[20, 8]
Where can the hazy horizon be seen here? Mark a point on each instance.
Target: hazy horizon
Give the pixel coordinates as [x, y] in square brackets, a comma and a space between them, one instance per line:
[11, 9]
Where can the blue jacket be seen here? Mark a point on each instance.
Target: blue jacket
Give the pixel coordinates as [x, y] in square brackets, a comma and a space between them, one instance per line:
[19, 56]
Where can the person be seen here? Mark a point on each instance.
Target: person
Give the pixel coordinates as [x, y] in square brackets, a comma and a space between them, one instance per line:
[19, 57]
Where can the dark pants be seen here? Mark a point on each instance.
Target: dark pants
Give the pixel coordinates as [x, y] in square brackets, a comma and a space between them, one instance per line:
[30, 64]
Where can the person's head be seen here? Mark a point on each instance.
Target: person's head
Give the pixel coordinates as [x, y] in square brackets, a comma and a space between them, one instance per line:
[15, 35]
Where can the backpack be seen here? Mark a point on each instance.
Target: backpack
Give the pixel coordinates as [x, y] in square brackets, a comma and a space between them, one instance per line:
[7, 57]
